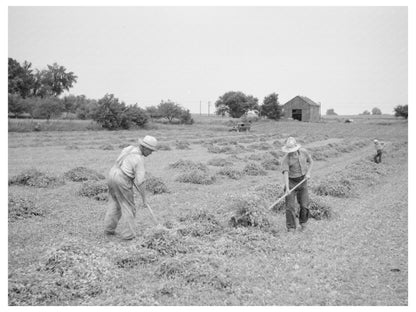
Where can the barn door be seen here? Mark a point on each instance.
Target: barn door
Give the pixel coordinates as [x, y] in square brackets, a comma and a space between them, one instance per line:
[297, 114]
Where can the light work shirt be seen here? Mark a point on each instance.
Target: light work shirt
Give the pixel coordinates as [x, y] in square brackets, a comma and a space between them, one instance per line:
[131, 162]
[296, 164]
[379, 146]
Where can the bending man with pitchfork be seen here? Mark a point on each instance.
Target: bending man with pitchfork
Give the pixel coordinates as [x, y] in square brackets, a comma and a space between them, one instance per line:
[296, 168]
[127, 172]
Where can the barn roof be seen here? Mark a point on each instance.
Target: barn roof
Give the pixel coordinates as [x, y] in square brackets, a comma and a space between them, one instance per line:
[305, 99]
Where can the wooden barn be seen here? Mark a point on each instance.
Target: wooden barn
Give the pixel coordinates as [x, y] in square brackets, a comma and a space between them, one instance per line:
[303, 109]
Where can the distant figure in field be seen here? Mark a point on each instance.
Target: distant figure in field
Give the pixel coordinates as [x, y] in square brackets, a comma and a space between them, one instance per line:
[379, 148]
[296, 167]
[127, 172]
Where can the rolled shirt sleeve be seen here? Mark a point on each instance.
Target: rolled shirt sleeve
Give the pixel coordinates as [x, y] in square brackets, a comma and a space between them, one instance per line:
[139, 172]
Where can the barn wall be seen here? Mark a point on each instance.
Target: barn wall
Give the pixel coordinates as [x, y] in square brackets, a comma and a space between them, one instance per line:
[309, 112]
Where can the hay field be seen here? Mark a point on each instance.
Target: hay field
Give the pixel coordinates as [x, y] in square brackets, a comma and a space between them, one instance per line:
[211, 189]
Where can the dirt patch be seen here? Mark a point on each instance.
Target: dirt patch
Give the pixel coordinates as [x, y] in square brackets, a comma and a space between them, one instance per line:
[35, 178]
[80, 174]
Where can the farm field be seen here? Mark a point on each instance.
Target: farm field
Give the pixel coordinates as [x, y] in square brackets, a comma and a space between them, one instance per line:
[354, 251]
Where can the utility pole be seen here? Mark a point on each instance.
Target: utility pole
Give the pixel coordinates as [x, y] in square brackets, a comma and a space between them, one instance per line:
[209, 106]
[200, 108]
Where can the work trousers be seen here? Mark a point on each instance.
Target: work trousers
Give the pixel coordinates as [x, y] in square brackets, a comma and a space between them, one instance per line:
[301, 193]
[377, 157]
[120, 187]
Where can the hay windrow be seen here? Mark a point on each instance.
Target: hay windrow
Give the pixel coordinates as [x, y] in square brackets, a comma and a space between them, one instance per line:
[197, 269]
[182, 145]
[334, 186]
[166, 243]
[163, 147]
[199, 223]
[231, 173]
[185, 165]
[106, 147]
[72, 270]
[260, 146]
[35, 178]
[22, 208]
[271, 164]
[155, 185]
[130, 257]
[249, 211]
[320, 207]
[196, 176]
[219, 162]
[80, 174]
[253, 169]
[97, 190]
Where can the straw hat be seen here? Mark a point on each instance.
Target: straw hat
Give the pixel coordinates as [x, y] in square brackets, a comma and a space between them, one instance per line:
[290, 146]
[149, 142]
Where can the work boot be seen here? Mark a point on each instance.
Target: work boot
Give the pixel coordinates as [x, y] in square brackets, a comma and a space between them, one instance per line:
[303, 227]
[291, 230]
[129, 238]
[109, 232]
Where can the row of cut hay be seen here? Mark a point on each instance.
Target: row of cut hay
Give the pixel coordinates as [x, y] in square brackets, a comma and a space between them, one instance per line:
[182, 145]
[336, 185]
[228, 149]
[35, 178]
[199, 223]
[196, 176]
[22, 208]
[186, 165]
[332, 150]
[155, 185]
[231, 173]
[80, 174]
[71, 271]
[195, 270]
[97, 190]
[220, 162]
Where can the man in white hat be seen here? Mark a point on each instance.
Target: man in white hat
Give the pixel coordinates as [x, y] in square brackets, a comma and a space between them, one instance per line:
[379, 149]
[128, 171]
[296, 167]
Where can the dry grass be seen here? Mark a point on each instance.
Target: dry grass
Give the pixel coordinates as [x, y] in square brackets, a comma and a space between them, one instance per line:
[155, 185]
[253, 169]
[231, 173]
[22, 208]
[219, 162]
[186, 165]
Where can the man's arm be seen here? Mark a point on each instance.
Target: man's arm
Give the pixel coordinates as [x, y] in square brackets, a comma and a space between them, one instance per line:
[309, 160]
[142, 192]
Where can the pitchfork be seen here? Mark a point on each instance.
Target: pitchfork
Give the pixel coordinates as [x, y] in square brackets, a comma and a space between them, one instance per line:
[283, 197]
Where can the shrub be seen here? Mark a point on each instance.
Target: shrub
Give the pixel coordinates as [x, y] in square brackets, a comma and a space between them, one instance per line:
[401, 111]
[94, 189]
[35, 178]
[254, 169]
[196, 176]
[22, 208]
[80, 174]
[155, 185]
[231, 172]
[185, 165]
[219, 162]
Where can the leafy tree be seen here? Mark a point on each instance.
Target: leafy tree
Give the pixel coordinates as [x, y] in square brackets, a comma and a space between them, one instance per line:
[47, 107]
[186, 117]
[271, 108]
[236, 104]
[331, 111]
[20, 78]
[376, 111]
[53, 81]
[153, 112]
[401, 111]
[16, 104]
[366, 112]
[169, 110]
[136, 116]
[108, 112]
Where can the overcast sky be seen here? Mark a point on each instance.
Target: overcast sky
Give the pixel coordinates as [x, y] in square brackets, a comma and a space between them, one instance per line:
[348, 58]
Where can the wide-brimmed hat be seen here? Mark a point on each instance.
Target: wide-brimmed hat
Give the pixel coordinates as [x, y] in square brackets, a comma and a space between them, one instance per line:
[290, 146]
[149, 142]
